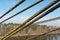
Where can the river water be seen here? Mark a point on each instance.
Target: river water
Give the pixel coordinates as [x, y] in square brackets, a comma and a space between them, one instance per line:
[53, 37]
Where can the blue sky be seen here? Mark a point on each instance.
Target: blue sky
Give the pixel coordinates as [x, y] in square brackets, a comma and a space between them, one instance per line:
[7, 4]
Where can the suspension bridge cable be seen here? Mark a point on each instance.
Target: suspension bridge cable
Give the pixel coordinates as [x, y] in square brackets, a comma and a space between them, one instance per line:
[22, 10]
[29, 23]
[12, 8]
[48, 20]
[43, 22]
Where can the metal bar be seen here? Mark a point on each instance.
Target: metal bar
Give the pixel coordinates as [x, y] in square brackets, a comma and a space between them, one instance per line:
[22, 10]
[56, 18]
[12, 8]
[29, 23]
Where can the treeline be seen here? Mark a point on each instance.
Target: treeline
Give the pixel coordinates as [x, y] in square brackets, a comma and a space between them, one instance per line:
[5, 28]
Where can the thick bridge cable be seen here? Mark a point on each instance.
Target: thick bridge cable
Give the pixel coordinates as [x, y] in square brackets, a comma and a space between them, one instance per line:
[22, 10]
[12, 8]
[49, 31]
[29, 23]
[48, 20]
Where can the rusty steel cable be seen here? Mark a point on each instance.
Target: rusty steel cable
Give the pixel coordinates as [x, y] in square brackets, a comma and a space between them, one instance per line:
[12, 8]
[48, 20]
[29, 23]
[22, 10]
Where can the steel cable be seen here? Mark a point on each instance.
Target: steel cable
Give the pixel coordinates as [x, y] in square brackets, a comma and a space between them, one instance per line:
[29, 23]
[12, 8]
[48, 20]
[21, 11]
